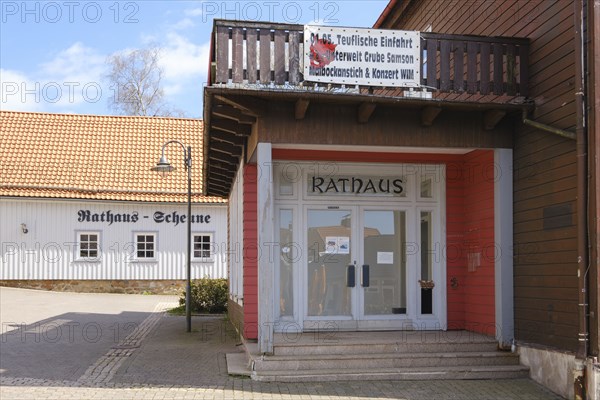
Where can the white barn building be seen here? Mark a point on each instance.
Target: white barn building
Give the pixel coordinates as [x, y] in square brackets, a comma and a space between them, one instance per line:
[81, 210]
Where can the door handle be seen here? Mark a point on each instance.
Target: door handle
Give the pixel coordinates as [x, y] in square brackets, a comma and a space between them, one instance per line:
[350, 276]
[364, 277]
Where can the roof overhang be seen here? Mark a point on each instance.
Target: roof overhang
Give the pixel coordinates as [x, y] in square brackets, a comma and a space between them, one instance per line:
[231, 112]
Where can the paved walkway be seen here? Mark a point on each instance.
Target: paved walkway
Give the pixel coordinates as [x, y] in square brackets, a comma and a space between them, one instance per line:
[143, 353]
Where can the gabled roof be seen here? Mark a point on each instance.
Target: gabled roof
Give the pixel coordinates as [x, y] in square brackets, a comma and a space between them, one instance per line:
[97, 157]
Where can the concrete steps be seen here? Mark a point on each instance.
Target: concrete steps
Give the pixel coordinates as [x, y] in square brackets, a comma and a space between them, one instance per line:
[383, 356]
[374, 361]
[396, 374]
[288, 349]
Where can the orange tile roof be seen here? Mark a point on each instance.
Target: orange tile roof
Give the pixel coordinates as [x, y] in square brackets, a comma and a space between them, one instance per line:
[97, 157]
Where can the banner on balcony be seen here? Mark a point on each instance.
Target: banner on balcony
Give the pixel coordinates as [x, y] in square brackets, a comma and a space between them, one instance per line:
[369, 57]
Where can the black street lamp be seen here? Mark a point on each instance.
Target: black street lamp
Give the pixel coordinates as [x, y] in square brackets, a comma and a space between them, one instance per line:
[164, 167]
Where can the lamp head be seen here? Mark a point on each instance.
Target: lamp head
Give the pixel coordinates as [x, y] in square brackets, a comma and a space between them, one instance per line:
[163, 167]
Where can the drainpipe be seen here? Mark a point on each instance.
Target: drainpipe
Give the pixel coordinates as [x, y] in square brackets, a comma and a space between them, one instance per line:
[548, 128]
[582, 180]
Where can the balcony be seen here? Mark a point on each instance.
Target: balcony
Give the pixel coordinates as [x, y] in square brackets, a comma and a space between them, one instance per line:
[468, 84]
[263, 56]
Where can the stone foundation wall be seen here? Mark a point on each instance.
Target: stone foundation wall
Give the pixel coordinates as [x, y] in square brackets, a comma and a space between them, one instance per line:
[550, 368]
[171, 287]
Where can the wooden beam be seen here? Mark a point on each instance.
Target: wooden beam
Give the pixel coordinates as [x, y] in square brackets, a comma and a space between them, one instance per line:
[228, 178]
[224, 158]
[429, 114]
[225, 147]
[227, 137]
[248, 105]
[221, 182]
[491, 118]
[223, 189]
[227, 125]
[365, 110]
[226, 168]
[301, 107]
[227, 173]
[217, 193]
[229, 112]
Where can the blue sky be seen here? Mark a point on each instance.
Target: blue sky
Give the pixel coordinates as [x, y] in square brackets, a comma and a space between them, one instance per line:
[53, 53]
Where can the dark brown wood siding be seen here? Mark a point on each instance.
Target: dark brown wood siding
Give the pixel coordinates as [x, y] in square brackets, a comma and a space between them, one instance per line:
[544, 165]
[335, 124]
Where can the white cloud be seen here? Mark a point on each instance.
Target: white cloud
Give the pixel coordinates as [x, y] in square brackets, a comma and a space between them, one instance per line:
[18, 92]
[183, 60]
[73, 61]
[194, 12]
[72, 78]
[183, 24]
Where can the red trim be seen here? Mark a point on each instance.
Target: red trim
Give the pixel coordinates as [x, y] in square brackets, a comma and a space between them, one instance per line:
[386, 12]
[250, 252]
[360, 156]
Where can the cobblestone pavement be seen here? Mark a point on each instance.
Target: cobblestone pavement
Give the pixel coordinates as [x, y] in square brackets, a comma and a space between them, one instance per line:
[159, 360]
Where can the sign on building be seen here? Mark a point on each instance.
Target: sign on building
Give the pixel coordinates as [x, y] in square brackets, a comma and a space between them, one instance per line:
[368, 57]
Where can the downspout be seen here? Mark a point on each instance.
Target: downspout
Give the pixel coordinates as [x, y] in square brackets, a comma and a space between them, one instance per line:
[582, 189]
[582, 180]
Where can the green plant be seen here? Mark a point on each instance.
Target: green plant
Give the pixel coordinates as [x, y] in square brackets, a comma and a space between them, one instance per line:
[208, 296]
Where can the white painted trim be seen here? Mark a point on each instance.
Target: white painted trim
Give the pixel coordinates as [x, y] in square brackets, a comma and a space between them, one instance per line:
[266, 242]
[374, 149]
[411, 203]
[135, 258]
[213, 247]
[503, 236]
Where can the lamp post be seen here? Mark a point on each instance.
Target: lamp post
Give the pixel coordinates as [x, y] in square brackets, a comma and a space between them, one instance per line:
[164, 167]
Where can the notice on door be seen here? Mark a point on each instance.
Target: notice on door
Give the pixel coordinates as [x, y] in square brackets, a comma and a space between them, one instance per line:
[337, 245]
[385, 257]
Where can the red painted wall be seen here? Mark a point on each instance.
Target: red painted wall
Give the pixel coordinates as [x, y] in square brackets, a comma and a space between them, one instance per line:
[479, 279]
[455, 254]
[469, 228]
[250, 252]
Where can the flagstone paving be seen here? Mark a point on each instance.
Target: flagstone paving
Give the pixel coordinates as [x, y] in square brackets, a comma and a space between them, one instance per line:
[156, 359]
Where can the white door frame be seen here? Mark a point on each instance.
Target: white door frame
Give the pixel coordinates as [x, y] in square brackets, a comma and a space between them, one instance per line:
[412, 204]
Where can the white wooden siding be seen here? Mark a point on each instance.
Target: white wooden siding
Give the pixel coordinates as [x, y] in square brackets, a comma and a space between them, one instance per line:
[236, 238]
[49, 249]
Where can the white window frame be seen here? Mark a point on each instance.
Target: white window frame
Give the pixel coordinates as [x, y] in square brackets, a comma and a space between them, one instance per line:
[211, 248]
[78, 256]
[135, 246]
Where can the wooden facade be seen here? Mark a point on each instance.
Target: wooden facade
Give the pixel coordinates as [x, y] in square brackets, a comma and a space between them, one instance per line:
[545, 207]
[502, 87]
[480, 85]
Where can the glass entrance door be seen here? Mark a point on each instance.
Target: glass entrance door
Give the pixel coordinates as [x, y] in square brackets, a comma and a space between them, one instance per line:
[369, 268]
[329, 240]
[383, 272]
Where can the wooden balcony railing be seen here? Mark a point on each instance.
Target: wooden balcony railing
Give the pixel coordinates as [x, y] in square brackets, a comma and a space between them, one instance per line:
[257, 54]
